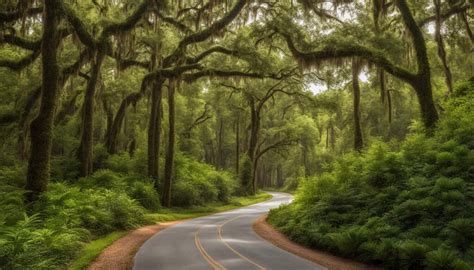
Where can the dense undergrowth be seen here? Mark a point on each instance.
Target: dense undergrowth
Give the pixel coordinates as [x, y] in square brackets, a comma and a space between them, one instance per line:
[407, 205]
[49, 234]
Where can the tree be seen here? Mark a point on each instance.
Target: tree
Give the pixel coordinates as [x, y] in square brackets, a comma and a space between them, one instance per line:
[358, 141]
[41, 127]
[419, 80]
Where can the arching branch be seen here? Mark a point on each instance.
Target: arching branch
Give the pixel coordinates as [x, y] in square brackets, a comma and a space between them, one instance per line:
[23, 43]
[8, 17]
[445, 15]
[348, 50]
[210, 51]
[172, 21]
[204, 34]
[21, 63]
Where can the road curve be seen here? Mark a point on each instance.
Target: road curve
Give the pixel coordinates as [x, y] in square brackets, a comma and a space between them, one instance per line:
[220, 241]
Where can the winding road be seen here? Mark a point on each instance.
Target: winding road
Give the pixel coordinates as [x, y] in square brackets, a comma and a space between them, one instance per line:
[220, 241]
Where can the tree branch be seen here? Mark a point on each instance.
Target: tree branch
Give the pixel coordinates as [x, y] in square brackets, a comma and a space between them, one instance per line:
[204, 34]
[172, 21]
[191, 77]
[23, 43]
[445, 15]
[210, 51]
[21, 63]
[346, 50]
[7, 17]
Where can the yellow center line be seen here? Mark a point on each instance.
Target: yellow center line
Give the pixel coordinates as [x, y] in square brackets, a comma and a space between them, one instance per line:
[219, 235]
[213, 263]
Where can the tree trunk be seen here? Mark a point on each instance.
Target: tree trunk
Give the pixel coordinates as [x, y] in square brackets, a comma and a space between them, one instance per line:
[110, 117]
[422, 83]
[237, 144]
[304, 157]
[132, 147]
[389, 104]
[333, 137]
[327, 136]
[154, 131]
[68, 109]
[467, 26]
[117, 122]
[41, 127]
[220, 144]
[383, 87]
[85, 150]
[253, 182]
[169, 162]
[252, 149]
[427, 105]
[441, 50]
[358, 141]
[279, 176]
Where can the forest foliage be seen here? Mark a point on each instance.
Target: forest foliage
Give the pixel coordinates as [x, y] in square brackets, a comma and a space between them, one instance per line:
[113, 110]
[405, 206]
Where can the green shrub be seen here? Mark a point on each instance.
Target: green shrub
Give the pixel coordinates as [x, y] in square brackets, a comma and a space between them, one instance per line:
[26, 245]
[121, 163]
[100, 156]
[349, 240]
[225, 184]
[405, 207]
[97, 210]
[64, 168]
[126, 213]
[197, 183]
[146, 195]
[12, 176]
[412, 255]
[444, 259]
[245, 174]
[185, 194]
[460, 233]
[104, 179]
[11, 204]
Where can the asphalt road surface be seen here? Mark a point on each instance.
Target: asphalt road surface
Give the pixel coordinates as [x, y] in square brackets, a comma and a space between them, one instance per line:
[221, 241]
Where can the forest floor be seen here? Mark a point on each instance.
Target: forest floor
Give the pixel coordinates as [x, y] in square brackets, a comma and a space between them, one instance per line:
[116, 250]
[266, 231]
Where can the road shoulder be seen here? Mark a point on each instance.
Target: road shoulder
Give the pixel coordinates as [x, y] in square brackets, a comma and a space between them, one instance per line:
[267, 232]
[120, 254]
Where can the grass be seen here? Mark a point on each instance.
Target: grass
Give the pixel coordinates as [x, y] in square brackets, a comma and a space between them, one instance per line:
[94, 248]
[171, 214]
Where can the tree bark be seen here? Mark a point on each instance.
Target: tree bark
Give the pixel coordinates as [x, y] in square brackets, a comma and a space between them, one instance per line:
[422, 82]
[441, 50]
[358, 141]
[467, 26]
[220, 144]
[169, 162]
[117, 122]
[252, 148]
[41, 127]
[154, 131]
[85, 150]
[237, 144]
[279, 176]
[109, 117]
[383, 87]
